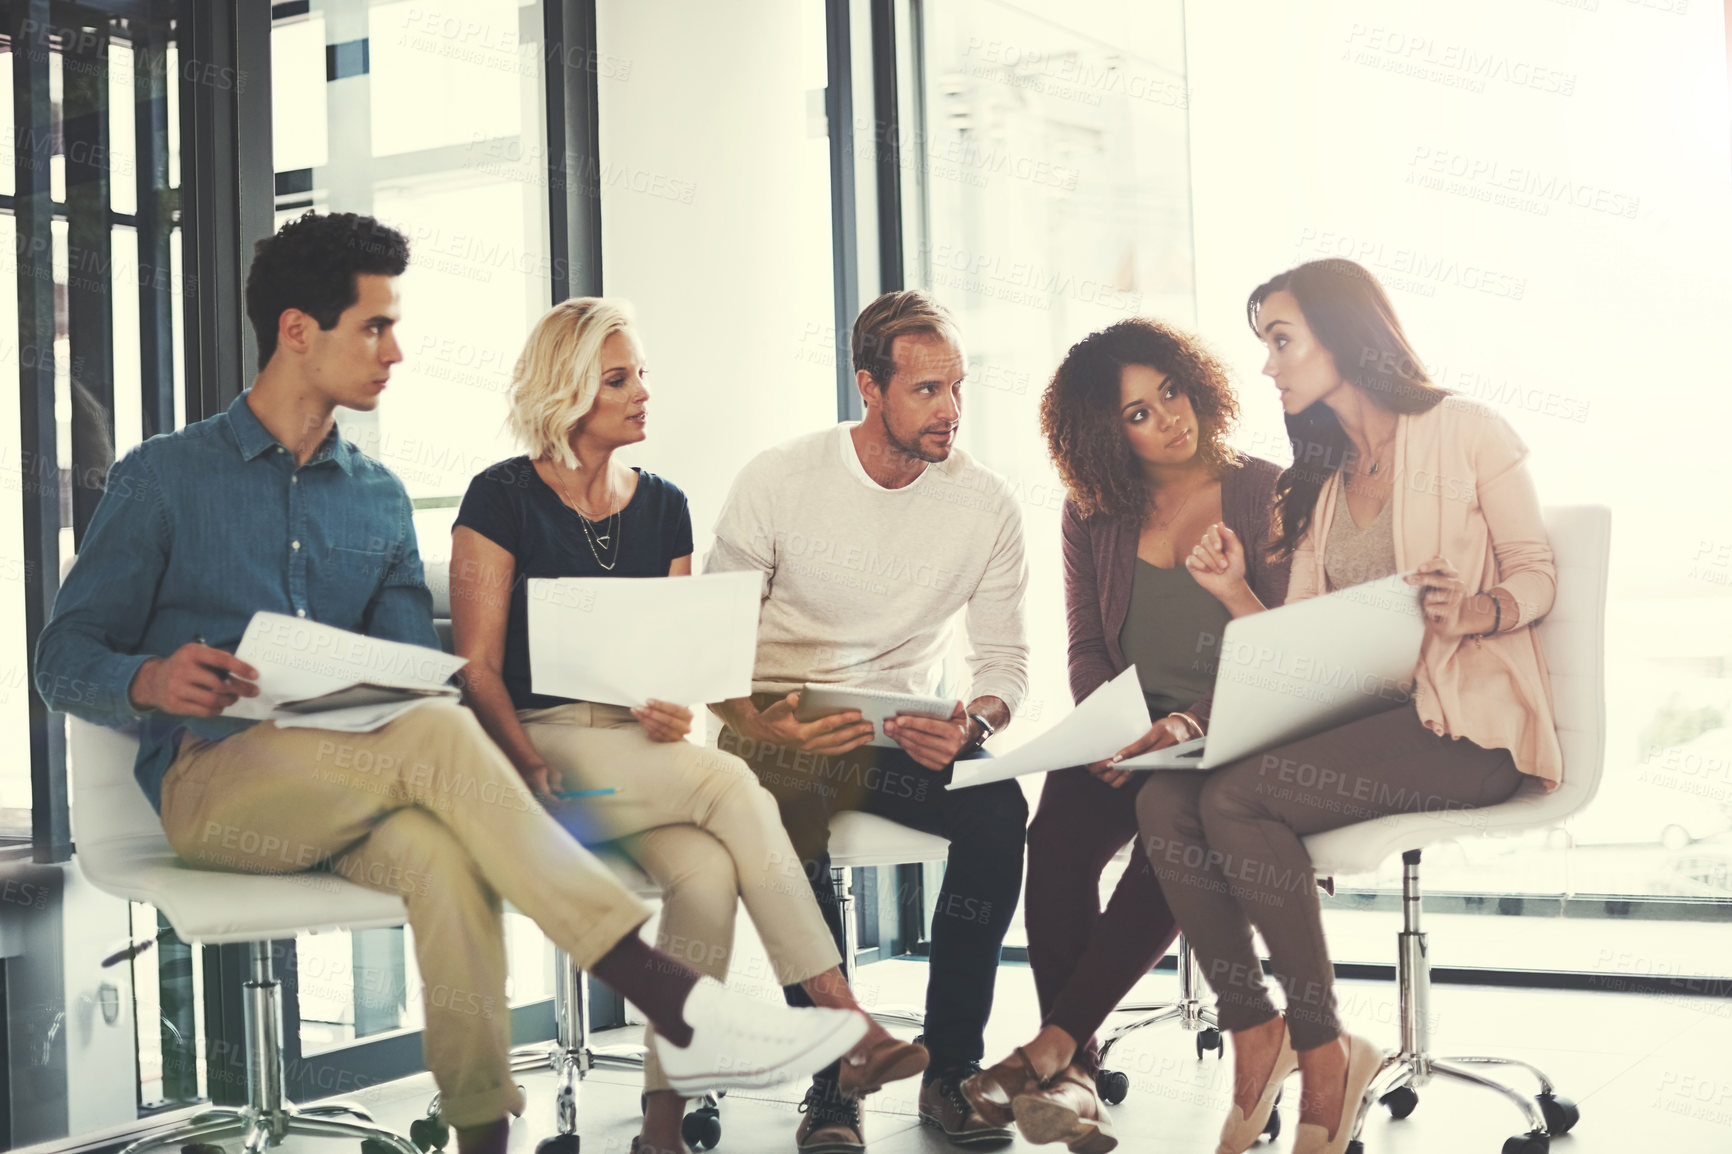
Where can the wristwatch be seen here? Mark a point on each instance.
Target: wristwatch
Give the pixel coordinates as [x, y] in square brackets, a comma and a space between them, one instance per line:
[986, 729]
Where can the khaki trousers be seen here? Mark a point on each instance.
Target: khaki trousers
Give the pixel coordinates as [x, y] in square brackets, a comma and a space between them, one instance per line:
[697, 821]
[429, 809]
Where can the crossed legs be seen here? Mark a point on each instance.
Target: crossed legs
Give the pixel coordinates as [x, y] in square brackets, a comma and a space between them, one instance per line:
[1227, 847]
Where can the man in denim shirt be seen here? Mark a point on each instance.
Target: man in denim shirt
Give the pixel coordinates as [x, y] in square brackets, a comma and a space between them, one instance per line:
[266, 508]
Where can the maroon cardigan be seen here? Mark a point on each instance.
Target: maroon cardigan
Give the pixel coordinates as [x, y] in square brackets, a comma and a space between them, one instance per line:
[1100, 561]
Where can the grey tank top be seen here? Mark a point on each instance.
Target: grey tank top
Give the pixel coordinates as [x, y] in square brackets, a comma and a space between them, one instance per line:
[1353, 555]
[1172, 634]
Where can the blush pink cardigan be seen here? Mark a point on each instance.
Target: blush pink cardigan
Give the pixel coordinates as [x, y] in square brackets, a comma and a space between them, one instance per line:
[1462, 490]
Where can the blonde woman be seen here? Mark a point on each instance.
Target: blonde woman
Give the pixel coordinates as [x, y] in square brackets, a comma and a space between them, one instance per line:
[695, 819]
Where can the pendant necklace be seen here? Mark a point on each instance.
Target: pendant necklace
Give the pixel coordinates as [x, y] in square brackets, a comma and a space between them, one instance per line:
[592, 530]
[1377, 462]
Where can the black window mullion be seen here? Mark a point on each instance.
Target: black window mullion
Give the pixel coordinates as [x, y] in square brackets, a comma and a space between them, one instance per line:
[90, 253]
[573, 148]
[844, 210]
[226, 971]
[33, 206]
[887, 149]
[227, 190]
[155, 223]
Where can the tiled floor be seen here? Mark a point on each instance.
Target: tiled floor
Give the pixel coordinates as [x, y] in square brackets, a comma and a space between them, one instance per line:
[1651, 1074]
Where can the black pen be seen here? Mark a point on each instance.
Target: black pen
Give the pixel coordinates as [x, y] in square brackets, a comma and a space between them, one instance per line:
[198, 638]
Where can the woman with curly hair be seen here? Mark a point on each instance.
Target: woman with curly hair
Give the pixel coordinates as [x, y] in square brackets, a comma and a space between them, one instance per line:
[1136, 418]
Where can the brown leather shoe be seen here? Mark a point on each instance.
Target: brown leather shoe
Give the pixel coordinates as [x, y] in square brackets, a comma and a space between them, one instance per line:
[831, 1125]
[992, 1090]
[1069, 1110]
[866, 1070]
[944, 1105]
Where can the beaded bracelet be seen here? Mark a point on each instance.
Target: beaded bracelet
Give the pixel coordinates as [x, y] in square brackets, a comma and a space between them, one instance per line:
[1497, 616]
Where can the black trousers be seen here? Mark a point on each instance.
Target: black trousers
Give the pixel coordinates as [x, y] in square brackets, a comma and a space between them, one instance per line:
[986, 827]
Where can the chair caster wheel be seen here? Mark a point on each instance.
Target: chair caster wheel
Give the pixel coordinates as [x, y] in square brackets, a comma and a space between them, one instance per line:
[1112, 1086]
[1400, 1101]
[1527, 1144]
[1272, 1128]
[702, 1128]
[1356, 1147]
[558, 1144]
[1210, 1039]
[429, 1133]
[1560, 1113]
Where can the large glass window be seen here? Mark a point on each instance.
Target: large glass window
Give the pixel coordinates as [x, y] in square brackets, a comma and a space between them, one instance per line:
[1163, 159]
[1054, 156]
[1525, 193]
[429, 117]
[107, 261]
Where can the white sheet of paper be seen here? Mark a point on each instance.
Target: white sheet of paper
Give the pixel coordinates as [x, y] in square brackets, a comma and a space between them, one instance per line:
[297, 658]
[1106, 721]
[624, 640]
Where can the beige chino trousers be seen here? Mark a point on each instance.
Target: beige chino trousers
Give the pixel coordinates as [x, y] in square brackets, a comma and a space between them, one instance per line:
[697, 821]
[427, 808]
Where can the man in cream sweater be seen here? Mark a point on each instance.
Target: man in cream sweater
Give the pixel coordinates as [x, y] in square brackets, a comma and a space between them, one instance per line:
[873, 537]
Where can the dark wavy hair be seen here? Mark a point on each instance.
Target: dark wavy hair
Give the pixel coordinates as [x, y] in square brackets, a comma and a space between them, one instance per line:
[1351, 316]
[311, 263]
[1080, 417]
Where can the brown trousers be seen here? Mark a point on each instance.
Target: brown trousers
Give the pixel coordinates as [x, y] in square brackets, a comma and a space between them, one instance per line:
[1226, 847]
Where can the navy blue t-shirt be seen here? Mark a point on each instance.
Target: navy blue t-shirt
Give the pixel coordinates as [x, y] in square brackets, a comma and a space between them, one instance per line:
[511, 506]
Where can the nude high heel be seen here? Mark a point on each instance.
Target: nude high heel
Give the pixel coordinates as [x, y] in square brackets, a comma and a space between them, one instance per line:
[1241, 1131]
[1364, 1060]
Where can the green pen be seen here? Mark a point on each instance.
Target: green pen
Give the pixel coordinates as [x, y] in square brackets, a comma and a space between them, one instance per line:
[567, 794]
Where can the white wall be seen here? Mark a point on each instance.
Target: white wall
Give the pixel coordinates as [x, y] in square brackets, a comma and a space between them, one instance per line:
[715, 222]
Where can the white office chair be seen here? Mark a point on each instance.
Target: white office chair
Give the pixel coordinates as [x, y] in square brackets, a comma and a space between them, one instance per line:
[122, 850]
[1572, 637]
[860, 840]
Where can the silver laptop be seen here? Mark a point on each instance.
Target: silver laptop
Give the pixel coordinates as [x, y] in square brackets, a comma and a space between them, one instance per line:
[1305, 668]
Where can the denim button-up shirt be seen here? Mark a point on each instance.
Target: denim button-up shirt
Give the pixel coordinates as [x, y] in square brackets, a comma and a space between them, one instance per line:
[200, 529]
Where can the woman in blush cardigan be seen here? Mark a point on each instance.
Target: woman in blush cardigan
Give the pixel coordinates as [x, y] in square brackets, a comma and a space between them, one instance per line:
[1391, 474]
[1136, 418]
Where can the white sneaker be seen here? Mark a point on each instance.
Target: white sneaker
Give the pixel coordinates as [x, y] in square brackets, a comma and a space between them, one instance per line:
[741, 1043]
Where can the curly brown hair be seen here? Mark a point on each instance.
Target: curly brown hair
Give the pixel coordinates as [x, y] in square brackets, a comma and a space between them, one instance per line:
[1079, 412]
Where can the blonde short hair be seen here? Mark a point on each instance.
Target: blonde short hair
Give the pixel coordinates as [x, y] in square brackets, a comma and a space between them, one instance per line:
[559, 373]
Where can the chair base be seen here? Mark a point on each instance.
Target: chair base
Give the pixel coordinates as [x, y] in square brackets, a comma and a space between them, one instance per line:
[571, 1057]
[260, 1131]
[1398, 1084]
[1189, 1013]
[570, 1065]
[1406, 1071]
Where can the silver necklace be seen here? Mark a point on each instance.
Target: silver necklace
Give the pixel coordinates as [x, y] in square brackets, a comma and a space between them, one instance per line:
[1377, 459]
[591, 531]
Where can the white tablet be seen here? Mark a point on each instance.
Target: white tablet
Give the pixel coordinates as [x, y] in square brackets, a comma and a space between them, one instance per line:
[875, 705]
